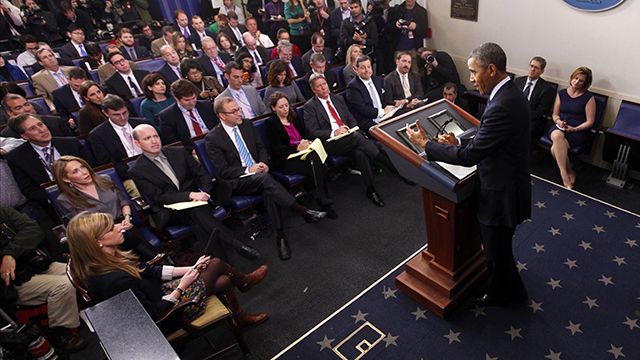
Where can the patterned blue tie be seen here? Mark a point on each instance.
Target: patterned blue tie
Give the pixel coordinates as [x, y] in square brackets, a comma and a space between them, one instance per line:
[242, 149]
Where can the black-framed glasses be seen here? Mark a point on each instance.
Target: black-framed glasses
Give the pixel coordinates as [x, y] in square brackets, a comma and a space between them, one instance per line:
[233, 111]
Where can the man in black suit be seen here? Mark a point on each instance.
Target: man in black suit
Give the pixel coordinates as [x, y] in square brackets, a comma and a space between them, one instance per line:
[338, 15]
[171, 175]
[327, 116]
[540, 95]
[234, 29]
[365, 95]
[403, 87]
[200, 31]
[170, 71]
[66, 99]
[129, 49]
[75, 48]
[285, 53]
[125, 82]
[258, 53]
[112, 141]
[16, 105]
[241, 160]
[318, 65]
[212, 61]
[450, 92]
[182, 23]
[500, 149]
[317, 47]
[31, 163]
[188, 117]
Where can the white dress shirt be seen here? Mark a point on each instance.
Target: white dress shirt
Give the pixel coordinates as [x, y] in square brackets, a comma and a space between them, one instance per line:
[187, 119]
[41, 153]
[533, 85]
[332, 121]
[126, 77]
[229, 130]
[125, 134]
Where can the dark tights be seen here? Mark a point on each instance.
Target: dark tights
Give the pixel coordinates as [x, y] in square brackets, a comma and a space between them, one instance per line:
[216, 278]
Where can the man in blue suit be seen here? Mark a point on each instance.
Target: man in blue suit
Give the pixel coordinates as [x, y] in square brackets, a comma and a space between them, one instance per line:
[500, 148]
[365, 95]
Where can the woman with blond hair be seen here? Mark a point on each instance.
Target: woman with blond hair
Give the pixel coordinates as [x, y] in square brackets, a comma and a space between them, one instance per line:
[105, 271]
[182, 47]
[349, 71]
[574, 113]
[82, 190]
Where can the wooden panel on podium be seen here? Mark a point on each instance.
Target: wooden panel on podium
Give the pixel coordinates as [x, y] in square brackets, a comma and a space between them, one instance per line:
[440, 276]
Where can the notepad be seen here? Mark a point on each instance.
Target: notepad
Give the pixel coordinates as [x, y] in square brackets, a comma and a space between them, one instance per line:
[185, 205]
[316, 145]
[349, 132]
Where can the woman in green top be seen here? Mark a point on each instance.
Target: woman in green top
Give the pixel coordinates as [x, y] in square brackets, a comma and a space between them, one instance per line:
[298, 18]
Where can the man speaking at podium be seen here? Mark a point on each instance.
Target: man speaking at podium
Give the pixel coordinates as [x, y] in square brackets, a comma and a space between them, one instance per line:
[500, 148]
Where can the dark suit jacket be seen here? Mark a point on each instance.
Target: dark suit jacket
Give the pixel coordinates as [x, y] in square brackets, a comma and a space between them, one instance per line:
[107, 147]
[360, 102]
[316, 119]
[306, 58]
[69, 51]
[168, 74]
[208, 67]
[346, 34]
[297, 64]
[500, 149]
[264, 54]
[173, 127]
[305, 87]
[227, 30]
[195, 38]
[419, 17]
[28, 170]
[279, 142]
[64, 101]
[393, 87]
[57, 126]
[115, 84]
[224, 155]
[141, 51]
[541, 102]
[160, 190]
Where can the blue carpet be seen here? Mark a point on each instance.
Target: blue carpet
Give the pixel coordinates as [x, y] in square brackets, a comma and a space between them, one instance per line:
[580, 261]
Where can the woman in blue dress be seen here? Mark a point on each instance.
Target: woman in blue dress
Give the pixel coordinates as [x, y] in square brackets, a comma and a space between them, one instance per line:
[574, 113]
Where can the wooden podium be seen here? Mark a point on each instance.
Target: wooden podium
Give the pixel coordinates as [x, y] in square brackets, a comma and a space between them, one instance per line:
[453, 261]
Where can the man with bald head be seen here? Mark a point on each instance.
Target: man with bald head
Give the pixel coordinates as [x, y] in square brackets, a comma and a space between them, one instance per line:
[258, 53]
[212, 61]
[170, 71]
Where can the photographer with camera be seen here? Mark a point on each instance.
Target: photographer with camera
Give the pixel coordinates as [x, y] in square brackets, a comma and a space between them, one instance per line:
[72, 15]
[358, 29]
[407, 28]
[34, 279]
[320, 21]
[436, 69]
[39, 23]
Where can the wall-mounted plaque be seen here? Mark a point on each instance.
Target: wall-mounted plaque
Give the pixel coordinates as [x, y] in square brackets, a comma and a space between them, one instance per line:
[464, 9]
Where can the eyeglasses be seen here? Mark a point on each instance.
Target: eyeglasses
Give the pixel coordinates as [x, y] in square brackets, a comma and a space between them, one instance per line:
[233, 111]
[121, 61]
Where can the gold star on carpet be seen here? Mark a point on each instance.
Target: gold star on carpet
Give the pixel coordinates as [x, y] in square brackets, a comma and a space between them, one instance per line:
[598, 229]
[574, 328]
[521, 266]
[360, 316]
[540, 205]
[536, 306]
[538, 248]
[553, 231]
[514, 333]
[581, 203]
[631, 243]
[585, 245]
[419, 314]
[554, 192]
[479, 311]
[616, 351]
[570, 263]
[553, 355]
[606, 280]
[554, 283]
[631, 323]
[568, 216]
[390, 340]
[619, 260]
[591, 303]
[452, 336]
[325, 343]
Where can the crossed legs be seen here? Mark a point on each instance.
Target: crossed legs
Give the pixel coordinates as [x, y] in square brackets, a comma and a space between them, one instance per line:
[560, 152]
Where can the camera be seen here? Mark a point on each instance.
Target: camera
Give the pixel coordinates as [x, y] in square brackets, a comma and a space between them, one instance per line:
[404, 26]
[311, 8]
[359, 28]
[429, 60]
[32, 15]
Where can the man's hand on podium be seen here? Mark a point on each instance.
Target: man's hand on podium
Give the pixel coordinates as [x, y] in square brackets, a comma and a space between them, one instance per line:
[448, 139]
[418, 136]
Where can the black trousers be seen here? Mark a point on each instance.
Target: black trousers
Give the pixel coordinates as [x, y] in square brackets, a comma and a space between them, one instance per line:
[315, 173]
[275, 196]
[504, 279]
[358, 149]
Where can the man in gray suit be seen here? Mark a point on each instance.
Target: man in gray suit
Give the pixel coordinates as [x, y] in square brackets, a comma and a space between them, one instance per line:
[246, 96]
[53, 75]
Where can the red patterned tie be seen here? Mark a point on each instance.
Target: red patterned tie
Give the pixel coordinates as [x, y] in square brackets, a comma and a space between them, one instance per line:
[196, 125]
[334, 114]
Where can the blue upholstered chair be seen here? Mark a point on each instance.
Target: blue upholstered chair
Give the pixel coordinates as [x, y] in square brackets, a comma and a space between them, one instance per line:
[622, 143]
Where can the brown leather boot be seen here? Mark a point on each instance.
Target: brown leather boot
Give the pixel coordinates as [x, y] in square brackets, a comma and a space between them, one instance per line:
[243, 317]
[244, 282]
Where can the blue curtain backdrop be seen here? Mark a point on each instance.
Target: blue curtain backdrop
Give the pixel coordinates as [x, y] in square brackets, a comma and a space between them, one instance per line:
[191, 7]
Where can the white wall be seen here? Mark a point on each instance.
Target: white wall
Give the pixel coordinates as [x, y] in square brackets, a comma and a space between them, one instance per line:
[607, 42]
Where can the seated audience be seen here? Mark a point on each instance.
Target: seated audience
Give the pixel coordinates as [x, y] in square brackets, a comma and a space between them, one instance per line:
[540, 95]
[125, 82]
[10, 72]
[107, 69]
[318, 66]
[157, 98]
[250, 72]
[262, 39]
[279, 79]
[325, 116]
[235, 149]
[93, 242]
[349, 72]
[450, 92]
[41, 282]
[228, 6]
[200, 31]
[317, 47]
[287, 135]
[402, 86]
[208, 85]
[283, 34]
[258, 52]
[90, 114]
[574, 113]
[251, 105]
[147, 35]
[234, 30]
[75, 48]
[182, 23]
[82, 190]
[67, 99]
[28, 56]
[165, 39]
[112, 141]
[213, 61]
[51, 77]
[169, 175]
[184, 49]
[285, 53]
[129, 49]
[15, 105]
[170, 71]
[226, 46]
[188, 117]
[365, 95]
